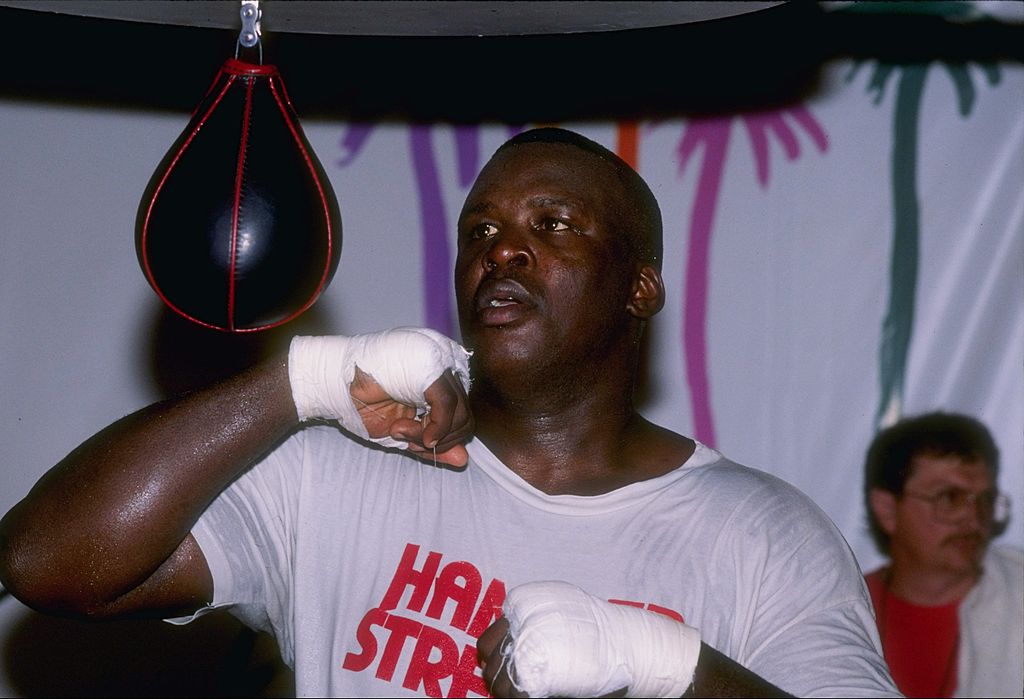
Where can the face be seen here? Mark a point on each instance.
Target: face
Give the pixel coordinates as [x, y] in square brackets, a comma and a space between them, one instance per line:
[917, 537]
[544, 273]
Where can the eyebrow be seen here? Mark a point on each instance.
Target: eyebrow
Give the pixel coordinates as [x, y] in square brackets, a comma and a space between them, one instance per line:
[480, 208]
[539, 202]
[542, 201]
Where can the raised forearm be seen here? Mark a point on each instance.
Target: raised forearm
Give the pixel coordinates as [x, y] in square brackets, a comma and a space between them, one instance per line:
[104, 519]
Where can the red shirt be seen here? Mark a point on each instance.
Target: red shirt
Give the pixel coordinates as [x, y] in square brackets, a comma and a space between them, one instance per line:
[920, 643]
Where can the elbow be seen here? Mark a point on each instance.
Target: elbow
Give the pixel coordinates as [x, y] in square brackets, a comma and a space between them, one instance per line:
[11, 575]
[46, 598]
[43, 584]
[16, 578]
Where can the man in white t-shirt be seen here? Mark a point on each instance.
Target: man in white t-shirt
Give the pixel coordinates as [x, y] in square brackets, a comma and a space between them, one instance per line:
[554, 542]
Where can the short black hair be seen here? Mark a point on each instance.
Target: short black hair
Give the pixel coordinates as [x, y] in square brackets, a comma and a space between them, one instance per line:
[887, 465]
[645, 226]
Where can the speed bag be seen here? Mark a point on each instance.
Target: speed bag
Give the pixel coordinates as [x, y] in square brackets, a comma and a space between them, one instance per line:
[239, 228]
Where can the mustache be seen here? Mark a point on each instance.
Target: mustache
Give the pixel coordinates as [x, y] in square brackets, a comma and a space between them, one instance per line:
[977, 538]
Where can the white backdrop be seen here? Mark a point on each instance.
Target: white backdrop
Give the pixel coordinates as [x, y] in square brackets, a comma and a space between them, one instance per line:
[798, 271]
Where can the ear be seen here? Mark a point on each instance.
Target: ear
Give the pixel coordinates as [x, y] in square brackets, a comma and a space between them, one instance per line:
[648, 295]
[883, 505]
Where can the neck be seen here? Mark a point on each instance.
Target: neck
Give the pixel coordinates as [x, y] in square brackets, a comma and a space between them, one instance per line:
[587, 446]
[537, 402]
[568, 426]
[555, 438]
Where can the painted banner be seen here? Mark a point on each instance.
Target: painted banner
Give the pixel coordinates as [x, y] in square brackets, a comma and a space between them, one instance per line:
[831, 265]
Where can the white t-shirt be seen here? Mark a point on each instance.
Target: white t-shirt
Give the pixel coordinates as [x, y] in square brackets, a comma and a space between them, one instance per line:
[377, 573]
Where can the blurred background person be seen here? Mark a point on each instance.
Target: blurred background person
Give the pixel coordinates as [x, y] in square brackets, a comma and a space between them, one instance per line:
[949, 606]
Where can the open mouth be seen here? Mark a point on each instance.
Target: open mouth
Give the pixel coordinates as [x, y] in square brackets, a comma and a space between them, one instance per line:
[500, 293]
[499, 302]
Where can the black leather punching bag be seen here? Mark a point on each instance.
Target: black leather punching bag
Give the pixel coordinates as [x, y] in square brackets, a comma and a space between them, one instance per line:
[239, 228]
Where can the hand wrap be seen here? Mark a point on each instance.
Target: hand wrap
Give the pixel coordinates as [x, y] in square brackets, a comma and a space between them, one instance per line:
[566, 642]
[404, 361]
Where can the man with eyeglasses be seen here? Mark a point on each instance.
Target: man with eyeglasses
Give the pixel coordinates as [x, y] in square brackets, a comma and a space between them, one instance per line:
[949, 608]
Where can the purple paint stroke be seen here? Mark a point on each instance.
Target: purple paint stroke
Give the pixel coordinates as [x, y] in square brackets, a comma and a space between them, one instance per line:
[468, 142]
[802, 115]
[760, 126]
[467, 151]
[436, 258]
[353, 141]
[713, 134]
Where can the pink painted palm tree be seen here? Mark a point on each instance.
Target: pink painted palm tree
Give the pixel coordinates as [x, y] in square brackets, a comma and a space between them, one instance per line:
[713, 135]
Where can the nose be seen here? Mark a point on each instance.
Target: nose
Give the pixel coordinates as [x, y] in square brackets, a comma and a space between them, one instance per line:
[976, 516]
[507, 248]
[976, 512]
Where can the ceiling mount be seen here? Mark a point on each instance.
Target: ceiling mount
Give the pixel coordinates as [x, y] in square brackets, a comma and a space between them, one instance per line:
[406, 17]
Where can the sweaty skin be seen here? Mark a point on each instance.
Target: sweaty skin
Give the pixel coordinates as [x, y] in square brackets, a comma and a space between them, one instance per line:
[555, 362]
[119, 492]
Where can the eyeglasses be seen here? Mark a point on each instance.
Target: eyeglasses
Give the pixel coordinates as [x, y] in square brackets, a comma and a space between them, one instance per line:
[950, 505]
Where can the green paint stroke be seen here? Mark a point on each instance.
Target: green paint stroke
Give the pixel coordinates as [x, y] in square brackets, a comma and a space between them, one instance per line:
[898, 323]
[903, 263]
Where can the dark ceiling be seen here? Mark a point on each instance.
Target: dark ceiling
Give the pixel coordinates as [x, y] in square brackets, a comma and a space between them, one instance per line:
[749, 61]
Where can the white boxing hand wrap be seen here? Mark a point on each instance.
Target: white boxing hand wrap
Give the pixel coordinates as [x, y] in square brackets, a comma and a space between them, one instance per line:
[566, 642]
[404, 361]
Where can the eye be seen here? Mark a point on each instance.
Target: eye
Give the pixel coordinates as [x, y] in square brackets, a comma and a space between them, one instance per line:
[482, 230]
[554, 225]
[954, 497]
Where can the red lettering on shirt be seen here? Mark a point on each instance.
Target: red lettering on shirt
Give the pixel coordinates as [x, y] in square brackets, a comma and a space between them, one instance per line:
[465, 595]
[489, 610]
[671, 613]
[467, 678]
[425, 616]
[402, 629]
[407, 576]
[357, 662]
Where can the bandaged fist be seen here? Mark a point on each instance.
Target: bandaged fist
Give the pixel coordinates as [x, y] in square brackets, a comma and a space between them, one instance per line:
[404, 387]
[436, 434]
[558, 640]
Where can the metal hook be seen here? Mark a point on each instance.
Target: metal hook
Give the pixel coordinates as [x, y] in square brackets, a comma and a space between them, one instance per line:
[250, 35]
